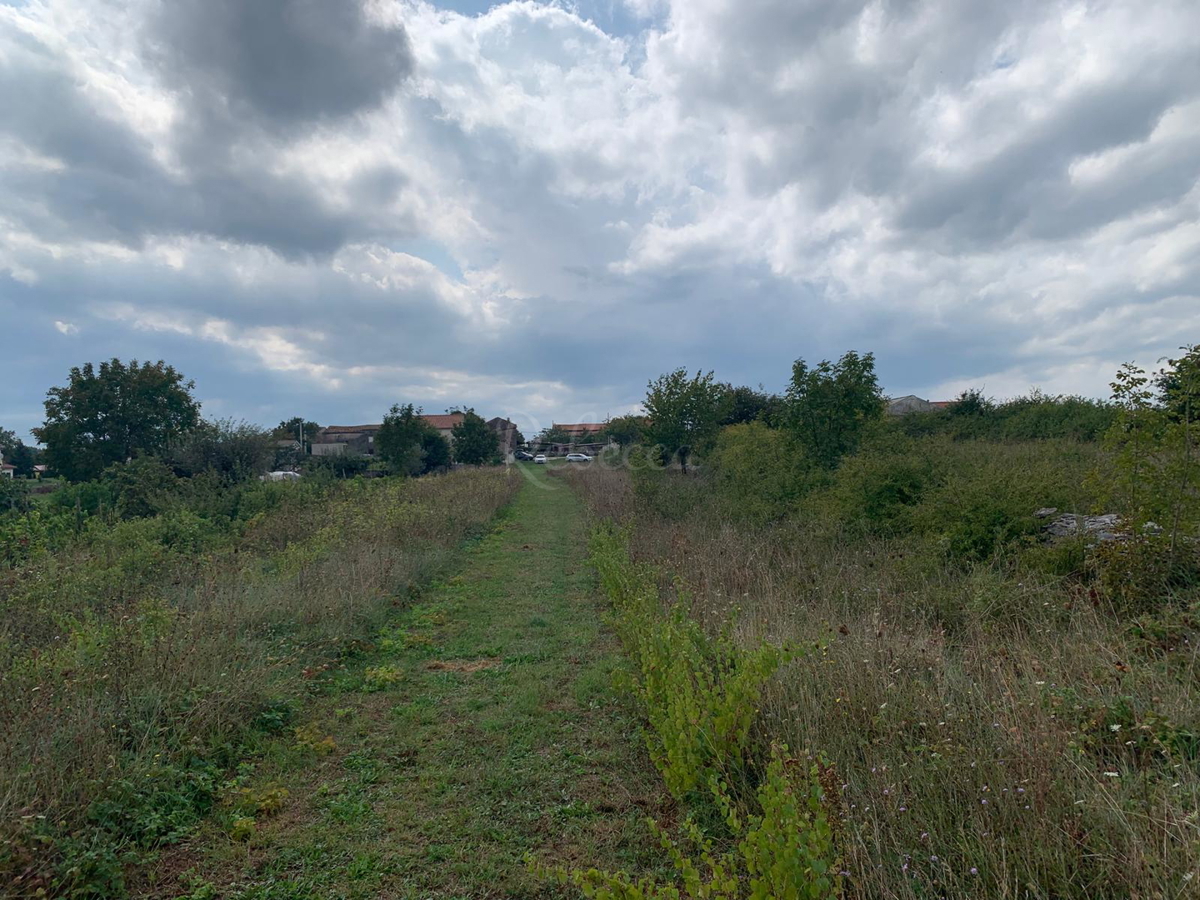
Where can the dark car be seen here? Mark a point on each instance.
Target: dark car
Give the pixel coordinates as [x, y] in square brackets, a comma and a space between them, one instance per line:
[522, 455]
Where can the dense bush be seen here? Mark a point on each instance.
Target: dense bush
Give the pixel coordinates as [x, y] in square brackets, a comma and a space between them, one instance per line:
[762, 473]
[1035, 416]
[235, 450]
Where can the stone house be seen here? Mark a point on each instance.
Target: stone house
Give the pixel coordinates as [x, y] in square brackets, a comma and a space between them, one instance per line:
[910, 403]
[506, 433]
[359, 440]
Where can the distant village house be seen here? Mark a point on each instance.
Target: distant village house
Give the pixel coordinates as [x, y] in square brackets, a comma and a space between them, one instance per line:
[359, 440]
[580, 431]
[506, 433]
[911, 403]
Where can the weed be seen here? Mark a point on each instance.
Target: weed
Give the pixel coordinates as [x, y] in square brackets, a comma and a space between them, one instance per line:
[379, 678]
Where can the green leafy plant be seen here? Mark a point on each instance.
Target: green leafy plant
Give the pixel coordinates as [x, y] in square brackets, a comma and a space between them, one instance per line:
[701, 696]
[783, 851]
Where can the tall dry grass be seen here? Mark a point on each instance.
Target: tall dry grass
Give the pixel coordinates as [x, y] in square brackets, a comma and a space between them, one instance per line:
[998, 731]
[147, 652]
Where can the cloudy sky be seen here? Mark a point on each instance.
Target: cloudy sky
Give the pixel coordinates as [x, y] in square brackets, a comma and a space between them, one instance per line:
[315, 207]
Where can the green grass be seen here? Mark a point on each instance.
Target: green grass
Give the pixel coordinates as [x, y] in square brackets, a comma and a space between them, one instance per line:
[481, 727]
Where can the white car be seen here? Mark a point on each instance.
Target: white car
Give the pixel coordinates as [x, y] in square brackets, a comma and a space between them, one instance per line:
[578, 457]
[280, 476]
[540, 459]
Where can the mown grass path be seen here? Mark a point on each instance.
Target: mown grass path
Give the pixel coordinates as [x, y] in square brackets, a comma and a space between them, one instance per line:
[482, 726]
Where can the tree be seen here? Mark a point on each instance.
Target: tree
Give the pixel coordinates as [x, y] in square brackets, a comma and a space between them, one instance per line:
[474, 443]
[829, 406]
[409, 443]
[14, 495]
[971, 402]
[625, 430]
[142, 487]
[746, 404]
[16, 453]
[1179, 385]
[684, 414]
[114, 413]
[554, 435]
[235, 450]
[1156, 447]
[292, 429]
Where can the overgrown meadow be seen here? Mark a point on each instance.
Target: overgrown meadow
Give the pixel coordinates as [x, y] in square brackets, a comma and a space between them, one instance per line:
[144, 650]
[990, 713]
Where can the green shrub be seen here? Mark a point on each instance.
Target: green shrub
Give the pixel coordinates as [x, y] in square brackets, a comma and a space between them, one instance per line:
[760, 473]
[1145, 573]
[784, 851]
[878, 490]
[667, 492]
[700, 696]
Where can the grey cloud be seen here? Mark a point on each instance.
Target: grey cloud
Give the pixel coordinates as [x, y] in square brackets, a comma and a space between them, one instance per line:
[843, 125]
[244, 70]
[281, 62]
[1026, 187]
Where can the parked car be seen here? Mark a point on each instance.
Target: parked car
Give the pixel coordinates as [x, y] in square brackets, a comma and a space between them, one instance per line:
[523, 455]
[540, 459]
[578, 457]
[280, 475]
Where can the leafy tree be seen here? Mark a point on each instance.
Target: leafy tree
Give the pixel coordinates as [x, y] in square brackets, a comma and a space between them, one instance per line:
[830, 405]
[115, 412]
[436, 449]
[235, 450]
[971, 402]
[292, 429]
[746, 404]
[1157, 447]
[13, 494]
[409, 443]
[554, 435]
[474, 443]
[142, 487]
[625, 430]
[16, 453]
[1179, 385]
[684, 413]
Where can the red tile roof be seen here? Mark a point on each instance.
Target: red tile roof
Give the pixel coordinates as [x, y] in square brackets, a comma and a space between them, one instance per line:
[581, 427]
[442, 422]
[350, 429]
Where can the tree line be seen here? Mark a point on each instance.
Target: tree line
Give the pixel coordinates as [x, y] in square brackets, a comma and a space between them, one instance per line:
[114, 413]
[827, 409]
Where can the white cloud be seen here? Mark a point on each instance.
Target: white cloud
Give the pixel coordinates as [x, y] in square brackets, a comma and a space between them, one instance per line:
[545, 214]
